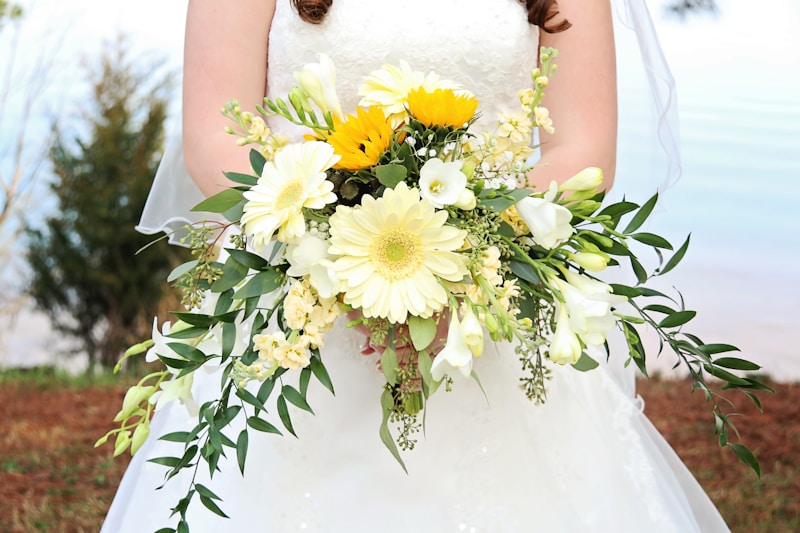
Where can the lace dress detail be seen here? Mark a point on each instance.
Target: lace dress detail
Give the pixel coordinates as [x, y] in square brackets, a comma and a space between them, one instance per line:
[587, 460]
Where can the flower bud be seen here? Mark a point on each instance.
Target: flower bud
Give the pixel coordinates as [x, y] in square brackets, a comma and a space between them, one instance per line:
[593, 262]
[140, 435]
[133, 398]
[122, 442]
[466, 200]
[588, 179]
[473, 332]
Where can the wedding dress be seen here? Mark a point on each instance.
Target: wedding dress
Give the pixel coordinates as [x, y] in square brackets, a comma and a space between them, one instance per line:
[587, 460]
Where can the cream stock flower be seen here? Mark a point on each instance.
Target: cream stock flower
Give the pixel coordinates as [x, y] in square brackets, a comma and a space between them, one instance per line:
[293, 356]
[393, 252]
[295, 180]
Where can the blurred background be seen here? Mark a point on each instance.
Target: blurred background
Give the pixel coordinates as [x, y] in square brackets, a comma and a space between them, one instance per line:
[87, 87]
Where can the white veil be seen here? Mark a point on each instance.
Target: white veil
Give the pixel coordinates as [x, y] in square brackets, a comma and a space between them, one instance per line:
[648, 131]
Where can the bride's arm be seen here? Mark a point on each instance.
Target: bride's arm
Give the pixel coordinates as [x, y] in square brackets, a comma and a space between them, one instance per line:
[582, 96]
[225, 58]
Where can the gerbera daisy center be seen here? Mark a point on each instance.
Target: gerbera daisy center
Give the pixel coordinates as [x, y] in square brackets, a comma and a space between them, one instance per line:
[289, 195]
[396, 253]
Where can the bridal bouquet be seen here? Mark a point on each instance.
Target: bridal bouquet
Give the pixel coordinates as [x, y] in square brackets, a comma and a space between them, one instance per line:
[406, 222]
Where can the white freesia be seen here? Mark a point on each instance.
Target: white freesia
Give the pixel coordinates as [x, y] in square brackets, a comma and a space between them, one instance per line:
[549, 222]
[442, 183]
[318, 81]
[161, 338]
[455, 358]
[589, 304]
[591, 261]
[309, 257]
[294, 180]
[473, 332]
[565, 348]
[588, 179]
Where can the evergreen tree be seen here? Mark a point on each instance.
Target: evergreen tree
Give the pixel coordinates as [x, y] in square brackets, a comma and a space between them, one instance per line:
[86, 274]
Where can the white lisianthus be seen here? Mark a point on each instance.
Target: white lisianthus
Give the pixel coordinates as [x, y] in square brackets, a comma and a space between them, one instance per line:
[318, 81]
[456, 357]
[565, 348]
[295, 180]
[442, 183]
[472, 331]
[589, 304]
[588, 179]
[177, 389]
[308, 256]
[549, 222]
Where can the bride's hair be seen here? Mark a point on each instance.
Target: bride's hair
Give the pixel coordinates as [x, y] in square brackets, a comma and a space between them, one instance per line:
[540, 12]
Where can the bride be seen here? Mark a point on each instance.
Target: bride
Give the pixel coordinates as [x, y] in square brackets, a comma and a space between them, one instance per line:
[587, 460]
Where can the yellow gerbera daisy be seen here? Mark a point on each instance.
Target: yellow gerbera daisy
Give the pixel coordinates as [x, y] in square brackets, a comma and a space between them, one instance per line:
[392, 253]
[362, 139]
[442, 107]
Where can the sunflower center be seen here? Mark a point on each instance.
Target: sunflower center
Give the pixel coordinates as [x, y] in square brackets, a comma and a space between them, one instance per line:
[289, 195]
[397, 253]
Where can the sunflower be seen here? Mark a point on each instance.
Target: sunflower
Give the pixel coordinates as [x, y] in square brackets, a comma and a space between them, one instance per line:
[442, 107]
[362, 139]
[393, 253]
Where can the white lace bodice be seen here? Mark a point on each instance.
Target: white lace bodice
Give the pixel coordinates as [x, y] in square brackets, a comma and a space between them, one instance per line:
[488, 47]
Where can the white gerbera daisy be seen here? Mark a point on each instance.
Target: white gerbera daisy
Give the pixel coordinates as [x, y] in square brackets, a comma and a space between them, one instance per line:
[392, 253]
[294, 180]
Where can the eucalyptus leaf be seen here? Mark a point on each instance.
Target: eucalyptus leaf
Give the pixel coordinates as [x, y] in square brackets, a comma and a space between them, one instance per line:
[585, 363]
[387, 406]
[220, 202]
[524, 271]
[422, 331]
[244, 179]
[499, 204]
[389, 365]
[257, 161]
[390, 175]
[249, 259]
[180, 270]
[233, 272]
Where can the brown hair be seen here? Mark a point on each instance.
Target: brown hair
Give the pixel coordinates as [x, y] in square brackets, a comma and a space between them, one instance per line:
[540, 12]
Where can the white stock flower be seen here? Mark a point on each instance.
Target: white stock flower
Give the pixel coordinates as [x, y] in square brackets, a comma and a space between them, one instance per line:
[308, 256]
[565, 348]
[442, 183]
[318, 81]
[588, 179]
[589, 304]
[549, 222]
[455, 358]
[295, 180]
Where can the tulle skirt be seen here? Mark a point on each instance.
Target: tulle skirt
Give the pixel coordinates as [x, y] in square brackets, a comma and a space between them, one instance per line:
[586, 460]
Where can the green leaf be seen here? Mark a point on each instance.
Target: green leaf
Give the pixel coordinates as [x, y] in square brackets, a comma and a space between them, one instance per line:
[257, 161]
[305, 378]
[244, 179]
[676, 257]
[658, 308]
[248, 397]
[211, 506]
[425, 362]
[262, 283]
[735, 363]
[180, 270]
[183, 526]
[188, 333]
[651, 239]
[638, 269]
[585, 363]
[294, 397]
[501, 203]
[724, 375]
[265, 390]
[676, 319]
[194, 319]
[422, 331]
[387, 405]
[321, 373]
[165, 461]
[235, 213]
[524, 271]
[224, 302]
[233, 272]
[618, 209]
[241, 449]
[390, 175]
[202, 490]
[640, 217]
[283, 413]
[248, 259]
[188, 352]
[177, 436]
[220, 202]
[712, 349]
[747, 457]
[624, 290]
[259, 424]
[228, 338]
[389, 365]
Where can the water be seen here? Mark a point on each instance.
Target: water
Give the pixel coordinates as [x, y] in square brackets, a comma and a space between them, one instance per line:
[739, 101]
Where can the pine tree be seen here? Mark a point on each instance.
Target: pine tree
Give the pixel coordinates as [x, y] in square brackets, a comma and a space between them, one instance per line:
[86, 274]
